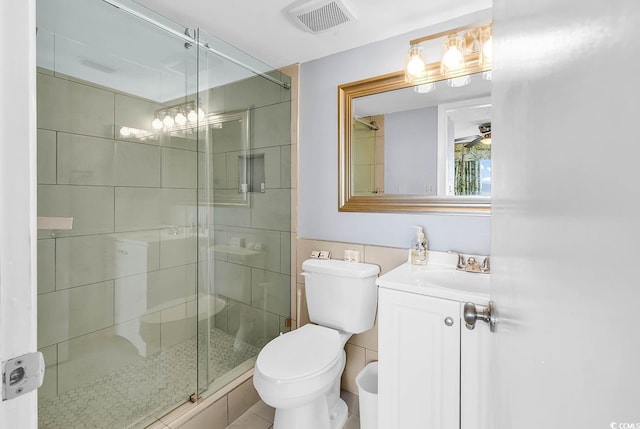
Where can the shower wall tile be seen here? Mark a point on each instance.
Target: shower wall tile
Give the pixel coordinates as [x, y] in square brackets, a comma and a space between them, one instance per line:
[138, 208]
[137, 165]
[84, 160]
[46, 157]
[178, 246]
[252, 325]
[285, 167]
[233, 281]
[232, 216]
[90, 206]
[89, 357]
[69, 313]
[46, 266]
[272, 210]
[183, 141]
[285, 252]
[91, 259]
[134, 112]
[261, 248]
[151, 292]
[271, 291]
[271, 126]
[179, 168]
[74, 107]
[272, 167]
[49, 388]
[179, 207]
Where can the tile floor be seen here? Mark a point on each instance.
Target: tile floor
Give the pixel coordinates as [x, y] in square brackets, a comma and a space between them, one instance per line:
[260, 416]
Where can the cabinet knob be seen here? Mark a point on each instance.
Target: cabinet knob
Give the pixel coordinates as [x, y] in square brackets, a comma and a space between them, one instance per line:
[448, 321]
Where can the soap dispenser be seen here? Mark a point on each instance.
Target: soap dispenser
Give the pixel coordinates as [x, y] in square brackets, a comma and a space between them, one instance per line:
[419, 248]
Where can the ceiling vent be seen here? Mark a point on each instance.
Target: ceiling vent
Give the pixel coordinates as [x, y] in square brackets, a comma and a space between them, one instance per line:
[316, 16]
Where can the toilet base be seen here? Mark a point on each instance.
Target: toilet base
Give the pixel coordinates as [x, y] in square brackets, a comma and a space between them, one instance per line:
[312, 416]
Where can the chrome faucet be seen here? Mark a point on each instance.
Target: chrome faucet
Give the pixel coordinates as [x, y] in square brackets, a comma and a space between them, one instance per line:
[471, 264]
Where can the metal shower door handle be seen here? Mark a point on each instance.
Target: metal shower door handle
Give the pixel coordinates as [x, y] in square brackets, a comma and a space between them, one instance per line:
[486, 314]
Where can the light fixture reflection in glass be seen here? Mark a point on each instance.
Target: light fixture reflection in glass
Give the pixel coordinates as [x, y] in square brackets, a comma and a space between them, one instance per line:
[125, 132]
[168, 121]
[486, 40]
[192, 116]
[156, 124]
[180, 119]
[200, 114]
[487, 75]
[415, 65]
[453, 54]
[425, 88]
[458, 82]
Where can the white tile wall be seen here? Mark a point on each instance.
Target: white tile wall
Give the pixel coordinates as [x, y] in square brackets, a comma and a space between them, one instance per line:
[233, 281]
[179, 168]
[271, 125]
[46, 266]
[74, 107]
[46, 156]
[84, 160]
[74, 312]
[90, 206]
[270, 291]
[271, 210]
[137, 165]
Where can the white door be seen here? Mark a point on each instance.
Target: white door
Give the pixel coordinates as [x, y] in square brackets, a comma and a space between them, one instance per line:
[565, 219]
[17, 198]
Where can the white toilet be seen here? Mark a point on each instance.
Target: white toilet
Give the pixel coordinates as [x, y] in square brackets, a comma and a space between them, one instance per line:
[298, 373]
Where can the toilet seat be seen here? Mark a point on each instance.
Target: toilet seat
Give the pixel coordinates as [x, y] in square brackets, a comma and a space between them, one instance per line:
[300, 354]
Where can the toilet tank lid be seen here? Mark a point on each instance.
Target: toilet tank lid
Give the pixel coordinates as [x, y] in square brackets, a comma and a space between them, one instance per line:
[340, 268]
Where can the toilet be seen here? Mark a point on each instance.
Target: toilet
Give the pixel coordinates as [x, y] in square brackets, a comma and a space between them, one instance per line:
[298, 373]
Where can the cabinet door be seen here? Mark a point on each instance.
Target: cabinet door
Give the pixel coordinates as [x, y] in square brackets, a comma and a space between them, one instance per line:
[419, 361]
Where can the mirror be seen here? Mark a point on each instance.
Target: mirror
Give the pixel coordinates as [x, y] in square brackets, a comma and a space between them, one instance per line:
[406, 147]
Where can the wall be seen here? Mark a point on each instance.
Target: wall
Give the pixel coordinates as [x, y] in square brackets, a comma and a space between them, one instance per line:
[410, 162]
[318, 182]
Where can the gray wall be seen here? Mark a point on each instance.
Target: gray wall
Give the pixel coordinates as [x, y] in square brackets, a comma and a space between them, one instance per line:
[318, 199]
[411, 151]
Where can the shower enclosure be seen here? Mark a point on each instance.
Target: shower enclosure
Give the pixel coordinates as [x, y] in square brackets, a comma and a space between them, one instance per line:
[164, 212]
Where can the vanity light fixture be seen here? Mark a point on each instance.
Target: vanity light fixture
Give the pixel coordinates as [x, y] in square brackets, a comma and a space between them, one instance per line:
[183, 116]
[465, 50]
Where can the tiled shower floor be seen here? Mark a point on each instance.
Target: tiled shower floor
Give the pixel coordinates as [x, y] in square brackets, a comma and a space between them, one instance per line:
[166, 378]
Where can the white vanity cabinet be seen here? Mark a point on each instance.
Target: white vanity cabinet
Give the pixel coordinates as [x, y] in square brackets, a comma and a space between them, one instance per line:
[431, 369]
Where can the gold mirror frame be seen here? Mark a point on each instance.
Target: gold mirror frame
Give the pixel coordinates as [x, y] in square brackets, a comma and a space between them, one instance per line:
[347, 202]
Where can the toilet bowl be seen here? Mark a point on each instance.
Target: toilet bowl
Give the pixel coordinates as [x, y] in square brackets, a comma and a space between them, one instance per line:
[298, 373]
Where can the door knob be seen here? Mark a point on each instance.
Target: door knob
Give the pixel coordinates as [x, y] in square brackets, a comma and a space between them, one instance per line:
[486, 314]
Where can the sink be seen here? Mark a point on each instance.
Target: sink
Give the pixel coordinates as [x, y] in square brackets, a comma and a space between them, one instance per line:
[440, 279]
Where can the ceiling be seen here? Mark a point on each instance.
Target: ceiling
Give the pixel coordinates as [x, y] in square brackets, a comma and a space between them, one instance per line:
[262, 29]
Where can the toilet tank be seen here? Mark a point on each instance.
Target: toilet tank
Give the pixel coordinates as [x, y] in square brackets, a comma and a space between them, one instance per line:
[341, 295]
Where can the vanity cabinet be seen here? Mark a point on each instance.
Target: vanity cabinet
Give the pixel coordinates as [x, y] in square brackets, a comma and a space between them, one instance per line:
[432, 369]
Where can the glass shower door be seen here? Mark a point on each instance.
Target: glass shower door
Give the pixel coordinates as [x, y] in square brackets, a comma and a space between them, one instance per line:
[118, 180]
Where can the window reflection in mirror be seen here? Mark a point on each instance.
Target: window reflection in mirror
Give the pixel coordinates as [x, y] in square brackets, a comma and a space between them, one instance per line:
[427, 141]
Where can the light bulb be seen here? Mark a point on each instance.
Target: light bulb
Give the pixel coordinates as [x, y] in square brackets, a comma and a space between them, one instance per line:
[156, 124]
[125, 132]
[200, 114]
[415, 64]
[192, 116]
[487, 49]
[181, 119]
[168, 121]
[452, 59]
